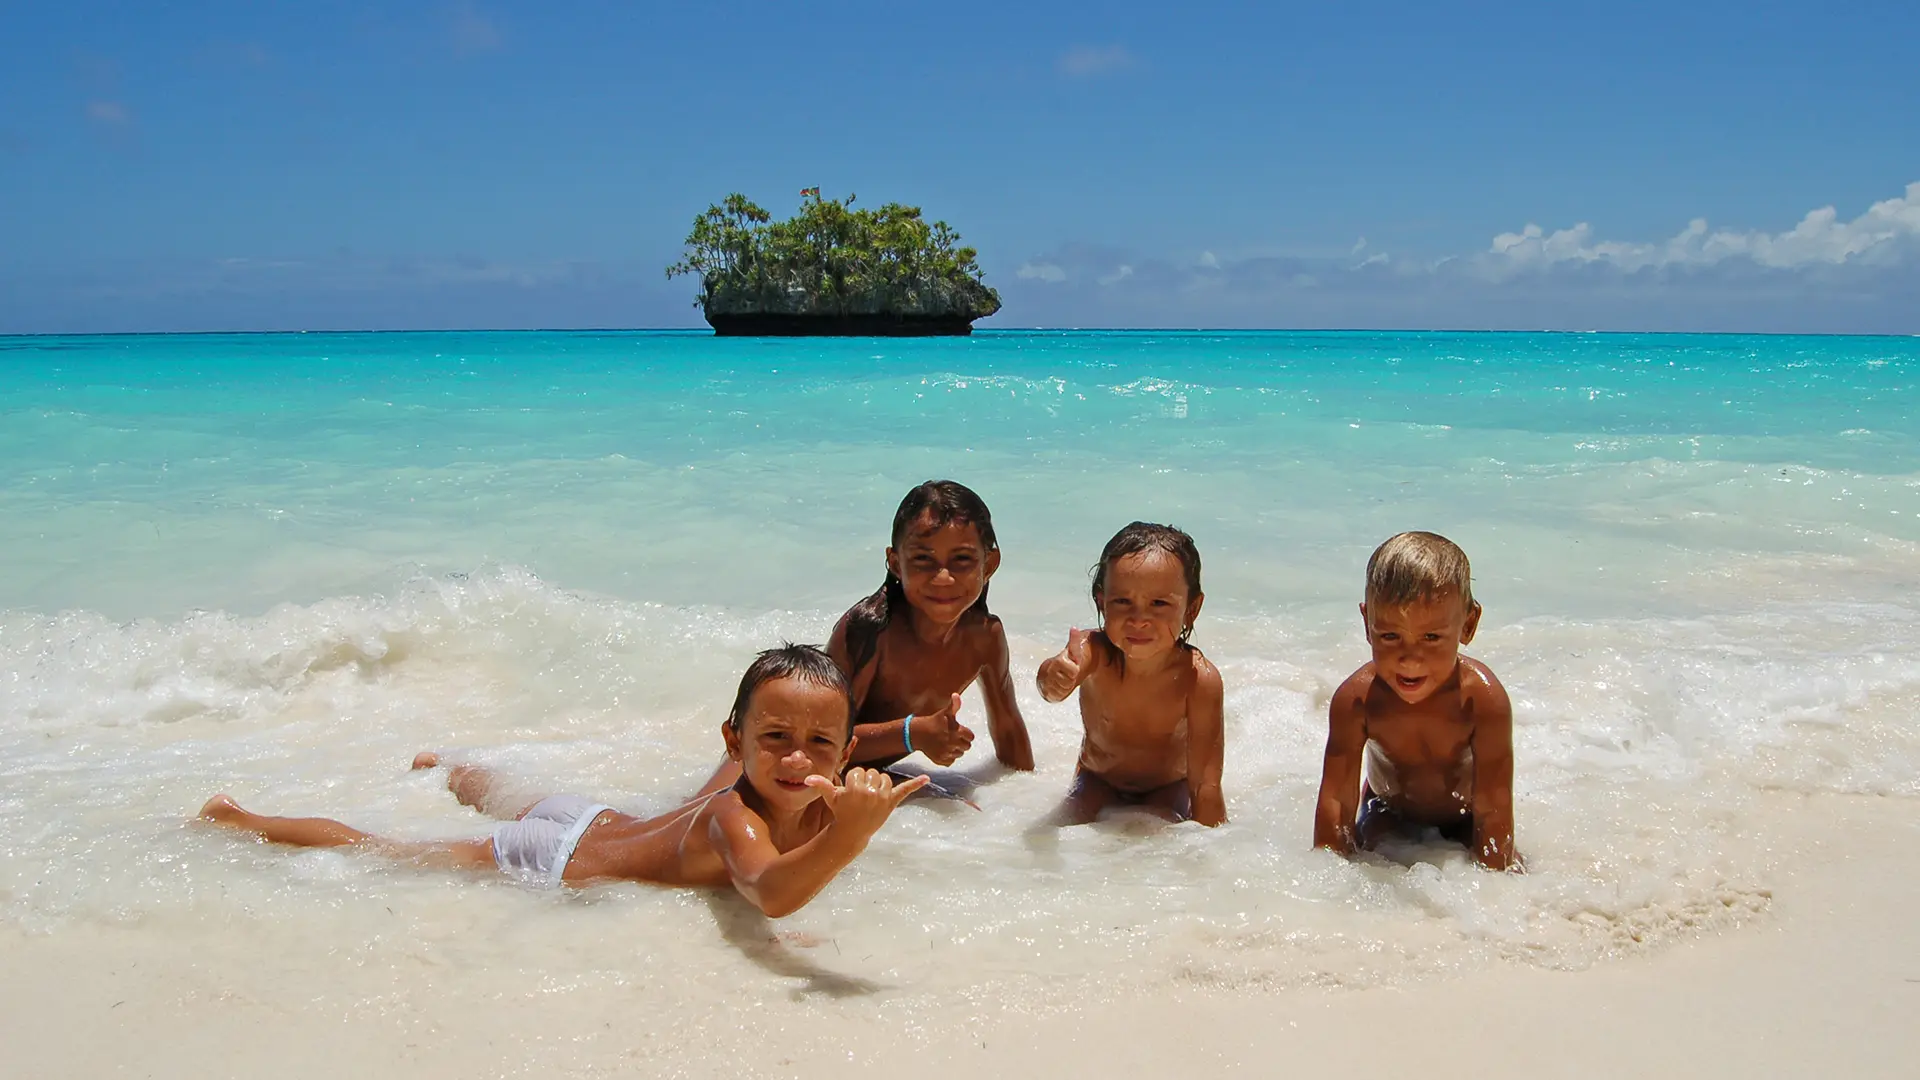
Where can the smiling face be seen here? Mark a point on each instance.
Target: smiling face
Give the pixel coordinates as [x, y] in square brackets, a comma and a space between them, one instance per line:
[792, 729]
[942, 569]
[1416, 646]
[1144, 606]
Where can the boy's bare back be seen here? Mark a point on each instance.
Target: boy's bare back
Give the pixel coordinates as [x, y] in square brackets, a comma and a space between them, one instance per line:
[679, 847]
[777, 861]
[780, 832]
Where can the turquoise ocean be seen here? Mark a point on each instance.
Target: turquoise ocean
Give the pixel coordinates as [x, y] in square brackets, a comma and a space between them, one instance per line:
[278, 565]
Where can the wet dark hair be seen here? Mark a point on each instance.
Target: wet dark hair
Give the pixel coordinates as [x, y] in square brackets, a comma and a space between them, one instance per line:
[807, 663]
[944, 502]
[1141, 537]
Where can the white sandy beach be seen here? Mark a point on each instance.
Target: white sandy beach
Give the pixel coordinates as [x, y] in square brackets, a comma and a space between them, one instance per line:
[1825, 980]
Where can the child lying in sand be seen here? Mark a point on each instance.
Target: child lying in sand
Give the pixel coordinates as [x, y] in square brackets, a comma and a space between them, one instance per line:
[1431, 730]
[1151, 704]
[778, 835]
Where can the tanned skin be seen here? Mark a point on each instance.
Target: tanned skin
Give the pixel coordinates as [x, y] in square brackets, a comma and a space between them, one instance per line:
[1429, 731]
[927, 655]
[1151, 705]
[930, 653]
[777, 837]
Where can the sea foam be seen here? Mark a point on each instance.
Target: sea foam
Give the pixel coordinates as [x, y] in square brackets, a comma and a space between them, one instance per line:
[238, 567]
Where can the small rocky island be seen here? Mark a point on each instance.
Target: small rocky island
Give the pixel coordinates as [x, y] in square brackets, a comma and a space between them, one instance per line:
[831, 269]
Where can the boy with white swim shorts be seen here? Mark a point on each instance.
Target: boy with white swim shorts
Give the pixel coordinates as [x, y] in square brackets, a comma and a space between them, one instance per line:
[777, 835]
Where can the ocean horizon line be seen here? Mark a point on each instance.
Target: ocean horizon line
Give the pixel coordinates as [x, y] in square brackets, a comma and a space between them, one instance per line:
[691, 331]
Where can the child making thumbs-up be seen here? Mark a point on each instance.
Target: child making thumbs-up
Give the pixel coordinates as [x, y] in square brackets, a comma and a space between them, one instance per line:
[924, 636]
[1151, 703]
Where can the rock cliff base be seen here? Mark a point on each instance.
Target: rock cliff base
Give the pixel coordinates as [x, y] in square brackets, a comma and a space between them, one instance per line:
[881, 324]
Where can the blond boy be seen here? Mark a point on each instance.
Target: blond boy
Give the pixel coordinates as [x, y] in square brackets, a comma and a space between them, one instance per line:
[1420, 736]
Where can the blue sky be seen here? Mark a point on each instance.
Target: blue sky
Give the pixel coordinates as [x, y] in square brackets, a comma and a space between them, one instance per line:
[340, 165]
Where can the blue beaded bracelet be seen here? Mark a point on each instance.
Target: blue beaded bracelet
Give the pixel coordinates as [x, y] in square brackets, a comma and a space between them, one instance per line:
[906, 732]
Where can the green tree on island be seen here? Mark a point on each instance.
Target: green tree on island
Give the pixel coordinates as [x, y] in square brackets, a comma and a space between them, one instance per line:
[832, 269]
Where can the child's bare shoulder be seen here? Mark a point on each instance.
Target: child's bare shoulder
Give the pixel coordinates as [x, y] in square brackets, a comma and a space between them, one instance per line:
[726, 812]
[1205, 691]
[1355, 686]
[1348, 705]
[1102, 655]
[985, 631]
[1479, 685]
[1206, 677]
[837, 644]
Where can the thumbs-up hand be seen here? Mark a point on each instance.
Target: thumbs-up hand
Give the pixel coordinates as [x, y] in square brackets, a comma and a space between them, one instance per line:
[1060, 673]
[941, 736]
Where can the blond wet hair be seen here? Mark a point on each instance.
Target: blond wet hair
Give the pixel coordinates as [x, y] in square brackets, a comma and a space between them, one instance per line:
[1418, 566]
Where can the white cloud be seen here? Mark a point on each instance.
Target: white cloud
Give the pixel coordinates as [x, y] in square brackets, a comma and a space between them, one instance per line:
[1087, 61]
[1208, 261]
[1820, 238]
[1045, 271]
[1120, 273]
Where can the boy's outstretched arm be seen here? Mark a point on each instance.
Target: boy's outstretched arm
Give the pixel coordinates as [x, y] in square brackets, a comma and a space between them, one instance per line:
[1206, 744]
[780, 884]
[1339, 800]
[1004, 722]
[1493, 776]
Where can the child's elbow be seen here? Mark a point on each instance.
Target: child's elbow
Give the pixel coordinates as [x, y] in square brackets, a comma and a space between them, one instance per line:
[779, 907]
[774, 902]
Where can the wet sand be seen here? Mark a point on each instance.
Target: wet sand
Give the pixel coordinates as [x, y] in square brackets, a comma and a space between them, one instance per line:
[1825, 980]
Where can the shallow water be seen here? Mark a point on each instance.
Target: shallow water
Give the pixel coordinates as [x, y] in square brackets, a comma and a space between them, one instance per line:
[280, 565]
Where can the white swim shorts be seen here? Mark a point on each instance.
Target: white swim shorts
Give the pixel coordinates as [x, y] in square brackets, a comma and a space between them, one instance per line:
[537, 846]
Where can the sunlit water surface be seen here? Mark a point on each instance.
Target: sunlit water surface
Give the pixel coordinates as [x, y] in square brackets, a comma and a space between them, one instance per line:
[280, 565]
